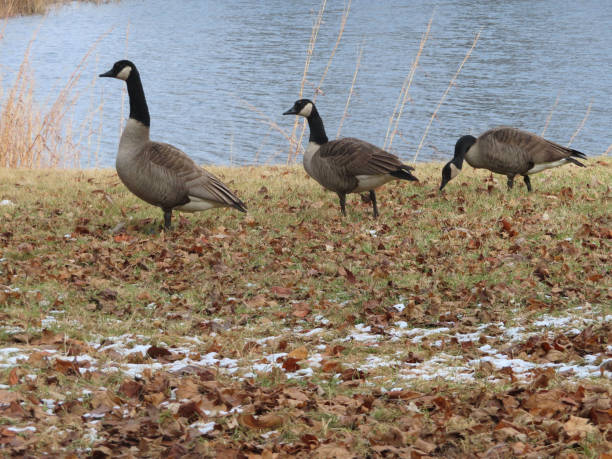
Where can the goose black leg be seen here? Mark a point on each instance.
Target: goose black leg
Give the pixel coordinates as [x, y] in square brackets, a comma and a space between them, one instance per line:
[527, 182]
[510, 182]
[342, 197]
[167, 218]
[373, 199]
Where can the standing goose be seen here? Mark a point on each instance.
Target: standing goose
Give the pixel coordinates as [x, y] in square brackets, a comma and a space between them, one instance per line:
[346, 165]
[510, 152]
[158, 173]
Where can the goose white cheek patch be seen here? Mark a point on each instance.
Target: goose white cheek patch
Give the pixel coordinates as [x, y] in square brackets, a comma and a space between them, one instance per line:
[454, 171]
[125, 73]
[306, 111]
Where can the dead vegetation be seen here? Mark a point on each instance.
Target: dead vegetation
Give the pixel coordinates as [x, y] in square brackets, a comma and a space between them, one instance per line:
[10, 8]
[35, 136]
[475, 322]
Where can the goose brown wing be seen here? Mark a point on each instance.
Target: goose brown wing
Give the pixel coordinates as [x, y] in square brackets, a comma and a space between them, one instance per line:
[528, 147]
[180, 170]
[358, 157]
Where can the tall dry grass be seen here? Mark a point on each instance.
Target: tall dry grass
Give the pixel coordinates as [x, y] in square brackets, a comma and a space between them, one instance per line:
[448, 88]
[296, 141]
[395, 117]
[581, 125]
[33, 136]
[9, 8]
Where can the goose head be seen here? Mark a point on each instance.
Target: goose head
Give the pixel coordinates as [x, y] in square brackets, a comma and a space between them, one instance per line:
[121, 70]
[302, 107]
[453, 167]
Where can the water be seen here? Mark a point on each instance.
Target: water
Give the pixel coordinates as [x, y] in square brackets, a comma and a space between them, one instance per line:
[204, 62]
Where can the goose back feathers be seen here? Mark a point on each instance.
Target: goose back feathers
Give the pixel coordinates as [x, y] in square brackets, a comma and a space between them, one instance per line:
[510, 152]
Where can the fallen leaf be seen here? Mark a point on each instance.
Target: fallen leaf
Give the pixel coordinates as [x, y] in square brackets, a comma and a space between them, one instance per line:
[344, 272]
[578, 428]
[290, 365]
[130, 388]
[13, 378]
[156, 352]
[266, 421]
[299, 354]
[281, 292]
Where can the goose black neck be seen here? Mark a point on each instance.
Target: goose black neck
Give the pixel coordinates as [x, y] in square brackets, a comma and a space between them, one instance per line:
[458, 160]
[461, 148]
[317, 131]
[138, 104]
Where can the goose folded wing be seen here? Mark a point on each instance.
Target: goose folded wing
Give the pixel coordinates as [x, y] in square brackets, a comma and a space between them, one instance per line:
[186, 174]
[207, 186]
[531, 147]
[358, 157]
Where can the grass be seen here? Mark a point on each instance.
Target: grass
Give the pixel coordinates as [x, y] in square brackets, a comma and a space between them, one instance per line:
[248, 287]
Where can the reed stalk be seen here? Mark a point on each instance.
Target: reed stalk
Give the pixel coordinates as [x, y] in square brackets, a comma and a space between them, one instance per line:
[450, 85]
[348, 99]
[392, 127]
[549, 117]
[317, 88]
[33, 137]
[581, 125]
[295, 144]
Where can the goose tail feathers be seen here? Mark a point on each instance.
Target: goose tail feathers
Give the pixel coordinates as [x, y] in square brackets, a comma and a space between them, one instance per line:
[577, 154]
[403, 173]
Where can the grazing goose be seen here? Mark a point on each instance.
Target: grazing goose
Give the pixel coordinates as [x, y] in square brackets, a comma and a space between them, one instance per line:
[158, 173]
[346, 165]
[510, 152]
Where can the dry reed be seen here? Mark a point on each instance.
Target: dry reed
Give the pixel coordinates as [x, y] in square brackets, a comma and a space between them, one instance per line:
[348, 99]
[9, 8]
[32, 136]
[317, 88]
[450, 85]
[549, 117]
[295, 143]
[581, 125]
[403, 95]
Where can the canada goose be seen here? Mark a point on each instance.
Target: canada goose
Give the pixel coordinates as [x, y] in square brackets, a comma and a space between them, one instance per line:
[158, 173]
[510, 152]
[346, 165]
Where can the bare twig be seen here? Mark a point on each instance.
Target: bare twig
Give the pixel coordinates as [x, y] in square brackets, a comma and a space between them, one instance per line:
[311, 45]
[266, 119]
[403, 95]
[333, 53]
[550, 114]
[317, 88]
[348, 99]
[450, 85]
[124, 87]
[581, 125]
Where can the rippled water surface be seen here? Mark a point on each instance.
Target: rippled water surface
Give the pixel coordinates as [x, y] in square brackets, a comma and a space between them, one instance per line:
[207, 65]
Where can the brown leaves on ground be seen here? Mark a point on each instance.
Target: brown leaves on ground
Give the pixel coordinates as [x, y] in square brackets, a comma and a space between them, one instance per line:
[282, 292]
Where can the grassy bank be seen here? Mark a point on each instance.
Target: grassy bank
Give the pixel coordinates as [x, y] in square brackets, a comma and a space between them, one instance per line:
[470, 322]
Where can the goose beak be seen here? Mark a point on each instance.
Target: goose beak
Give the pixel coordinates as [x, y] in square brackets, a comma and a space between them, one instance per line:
[108, 74]
[291, 111]
[443, 184]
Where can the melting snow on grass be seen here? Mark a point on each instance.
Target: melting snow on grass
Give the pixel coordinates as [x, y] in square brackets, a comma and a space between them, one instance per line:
[438, 365]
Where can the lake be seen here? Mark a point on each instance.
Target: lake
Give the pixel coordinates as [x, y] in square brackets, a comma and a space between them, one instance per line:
[206, 65]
